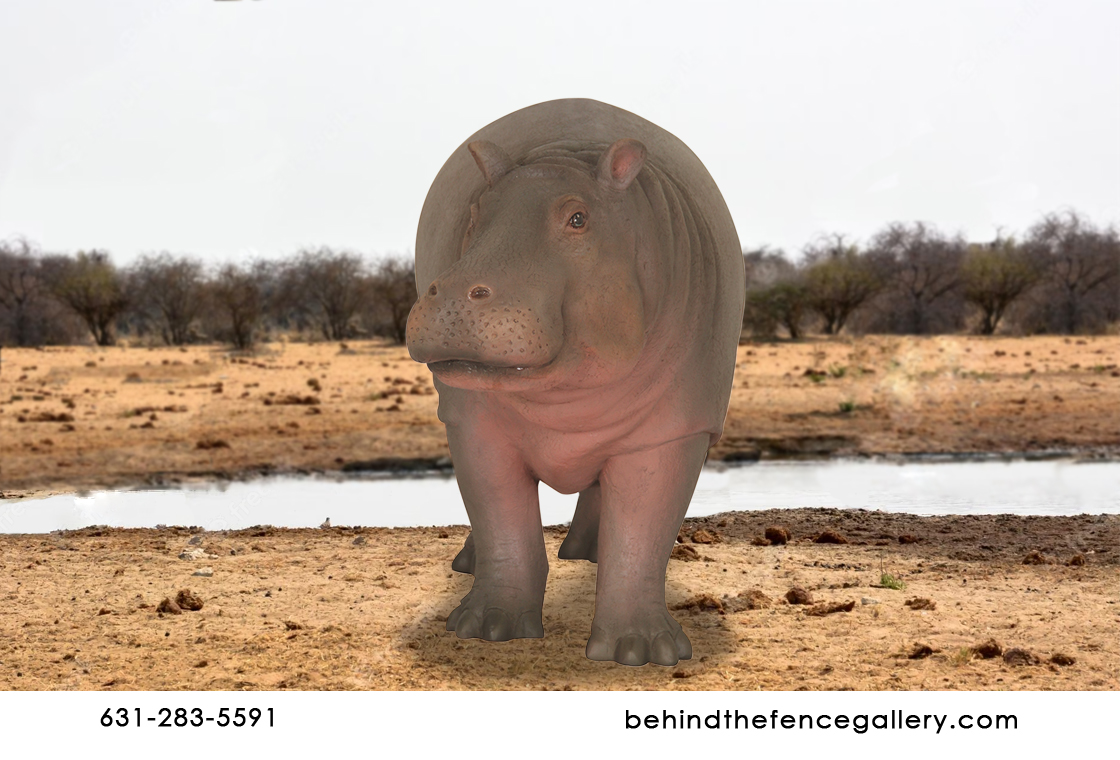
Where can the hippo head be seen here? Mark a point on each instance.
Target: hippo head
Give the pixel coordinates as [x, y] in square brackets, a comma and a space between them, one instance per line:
[547, 291]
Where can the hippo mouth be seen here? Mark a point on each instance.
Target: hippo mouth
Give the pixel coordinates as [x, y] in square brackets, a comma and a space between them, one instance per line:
[466, 368]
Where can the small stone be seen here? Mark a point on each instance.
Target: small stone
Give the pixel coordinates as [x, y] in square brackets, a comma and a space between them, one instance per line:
[798, 595]
[907, 538]
[188, 600]
[989, 649]
[820, 610]
[760, 541]
[1019, 657]
[168, 607]
[920, 652]
[359, 541]
[700, 603]
[204, 572]
[196, 553]
[704, 536]
[868, 600]
[195, 541]
[921, 603]
[753, 599]
[1035, 558]
[1077, 560]
[1062, 659]
[830, 537]
[685, 553]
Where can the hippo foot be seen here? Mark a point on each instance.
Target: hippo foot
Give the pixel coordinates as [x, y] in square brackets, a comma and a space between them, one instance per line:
[577, 546]
[464, 560]
[484, 616]
[655, 637]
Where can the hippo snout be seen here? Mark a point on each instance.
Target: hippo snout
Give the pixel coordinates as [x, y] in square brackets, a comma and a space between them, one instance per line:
[475, 320]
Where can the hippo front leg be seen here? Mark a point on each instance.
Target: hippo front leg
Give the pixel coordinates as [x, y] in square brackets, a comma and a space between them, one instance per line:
[506, 543]
[644, 499]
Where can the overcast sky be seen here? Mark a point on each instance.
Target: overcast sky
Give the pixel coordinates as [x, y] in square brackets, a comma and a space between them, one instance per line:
[234, 129]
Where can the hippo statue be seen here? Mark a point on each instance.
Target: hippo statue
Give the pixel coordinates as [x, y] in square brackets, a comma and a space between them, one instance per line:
[581, 298]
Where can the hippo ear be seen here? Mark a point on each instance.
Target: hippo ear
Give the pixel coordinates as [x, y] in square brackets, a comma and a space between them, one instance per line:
[621, 162]
[492, 160]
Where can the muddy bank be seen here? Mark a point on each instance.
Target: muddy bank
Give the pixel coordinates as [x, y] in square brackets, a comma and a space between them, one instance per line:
[972, 603]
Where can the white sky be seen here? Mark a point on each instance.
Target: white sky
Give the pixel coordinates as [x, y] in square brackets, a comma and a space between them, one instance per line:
[229, 129]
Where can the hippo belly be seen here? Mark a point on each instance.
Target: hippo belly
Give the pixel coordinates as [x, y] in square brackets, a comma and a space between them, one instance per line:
[582, 293]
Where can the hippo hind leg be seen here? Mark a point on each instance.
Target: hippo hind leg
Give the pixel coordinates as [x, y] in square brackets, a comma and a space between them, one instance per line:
[582, 541]
[464, 560]
[644, 499]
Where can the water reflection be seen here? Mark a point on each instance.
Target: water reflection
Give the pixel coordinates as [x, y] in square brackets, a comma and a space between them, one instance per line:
[1017, 487]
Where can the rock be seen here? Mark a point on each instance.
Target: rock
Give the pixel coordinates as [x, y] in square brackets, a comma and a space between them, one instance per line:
[188, 601]
[704, 536]
[291, 625]
[195, 541]
[868, 600]
[989, 649]
[359, 541]
[1035, 558]
[685, 553]
[700, 603]
[444, 534]
[104, 611]
[907, 538]
[921, 603]
[753, 599]
[798, 595]
[1077, 560]
[204, 572]
[169, 607]
[196, 553]
[920, 652]
[760, 541]
[777, 535]
[209, 444]
[1061, 659]
[819, 610]
[830, 537]
[1019, 657]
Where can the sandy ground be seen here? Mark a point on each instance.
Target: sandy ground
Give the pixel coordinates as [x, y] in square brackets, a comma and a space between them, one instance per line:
[81, 417]
[364, 608]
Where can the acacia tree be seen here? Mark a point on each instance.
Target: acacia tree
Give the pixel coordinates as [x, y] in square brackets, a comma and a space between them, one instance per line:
[1079, 261]
[241, 296]
[169, 290]
[21, 287]
[92, 287]
[924, 269]
[994, 276]
[394, 290]
[776, 294]
[838, 281]
[329, 287]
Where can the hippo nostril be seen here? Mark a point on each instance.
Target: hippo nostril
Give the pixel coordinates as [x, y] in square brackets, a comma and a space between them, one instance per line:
[479, 293]
[432, 290]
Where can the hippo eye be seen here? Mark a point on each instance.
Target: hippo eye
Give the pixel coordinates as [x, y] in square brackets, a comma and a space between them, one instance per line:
[577, 220]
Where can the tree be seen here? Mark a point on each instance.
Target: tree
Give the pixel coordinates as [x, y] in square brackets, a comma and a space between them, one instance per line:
[241, 296]
[170, 291]
[776, 294]
[838, 280]
[1081, 265]
[90, 286]
[923, 267]
[994, 276]
[394, 291]
[328, 286]
[21, 288]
